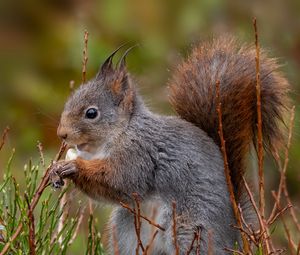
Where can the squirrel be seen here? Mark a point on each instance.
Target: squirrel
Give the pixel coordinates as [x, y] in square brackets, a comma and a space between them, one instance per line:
[124, 148]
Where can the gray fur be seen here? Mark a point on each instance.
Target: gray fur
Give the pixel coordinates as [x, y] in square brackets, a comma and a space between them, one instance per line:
[172, 160]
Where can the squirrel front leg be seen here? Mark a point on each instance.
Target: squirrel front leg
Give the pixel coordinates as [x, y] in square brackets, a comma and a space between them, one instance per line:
[91, 176]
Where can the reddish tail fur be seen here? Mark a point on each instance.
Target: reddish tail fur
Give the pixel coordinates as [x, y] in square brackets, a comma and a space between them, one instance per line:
[192, 94]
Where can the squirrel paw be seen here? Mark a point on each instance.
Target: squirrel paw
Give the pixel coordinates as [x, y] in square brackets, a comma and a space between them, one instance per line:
[61, 170]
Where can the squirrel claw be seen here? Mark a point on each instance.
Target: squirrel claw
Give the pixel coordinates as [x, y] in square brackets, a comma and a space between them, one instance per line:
[56, 180]
[57, 184]
[61, 170]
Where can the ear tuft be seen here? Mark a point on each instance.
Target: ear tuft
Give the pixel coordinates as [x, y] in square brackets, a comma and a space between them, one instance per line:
[122, 61]
[107, 66]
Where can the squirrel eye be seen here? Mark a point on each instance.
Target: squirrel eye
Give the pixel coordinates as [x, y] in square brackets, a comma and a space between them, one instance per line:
[91, 113]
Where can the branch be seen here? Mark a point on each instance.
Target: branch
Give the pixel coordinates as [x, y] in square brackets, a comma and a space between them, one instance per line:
[138, 223]
[292, 245]
[196, 238]
[226, 169]
[263, 229]
[143, 217]
[85, 58]
[259, 127]
[150, 243]
[283, 169]
[4, 135]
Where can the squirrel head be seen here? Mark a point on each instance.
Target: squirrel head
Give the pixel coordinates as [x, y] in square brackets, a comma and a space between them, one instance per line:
[100, 109]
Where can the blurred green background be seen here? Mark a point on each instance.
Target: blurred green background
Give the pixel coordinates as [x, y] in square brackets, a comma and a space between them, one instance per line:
[41, 46]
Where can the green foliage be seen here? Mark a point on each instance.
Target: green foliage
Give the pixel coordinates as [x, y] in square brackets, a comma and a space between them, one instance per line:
[48, 238]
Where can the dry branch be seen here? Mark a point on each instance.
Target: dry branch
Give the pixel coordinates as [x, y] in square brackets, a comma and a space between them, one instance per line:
[85, 57]
[291, 243]
[260, 150]
[148, 246]
[263, 228]
[138, 223]
[143, 217]
[282, 182]
[197, 240]
[226, 169]
[4, 135]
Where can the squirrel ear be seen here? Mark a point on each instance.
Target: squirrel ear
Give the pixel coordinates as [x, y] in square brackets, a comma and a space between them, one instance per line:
[107, 67]
[123, 91]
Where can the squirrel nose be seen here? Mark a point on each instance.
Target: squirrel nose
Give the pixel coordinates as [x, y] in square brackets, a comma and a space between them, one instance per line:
[62, 133]
[63, 136]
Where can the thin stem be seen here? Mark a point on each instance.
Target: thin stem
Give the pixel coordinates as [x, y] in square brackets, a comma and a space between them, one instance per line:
[4, 135]
[260, 150]
[226, 169]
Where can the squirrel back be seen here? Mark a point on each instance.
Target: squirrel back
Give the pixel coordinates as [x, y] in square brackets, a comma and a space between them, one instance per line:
[193, 96]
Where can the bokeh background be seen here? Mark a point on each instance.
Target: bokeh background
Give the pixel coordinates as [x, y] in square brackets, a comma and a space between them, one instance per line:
[41, 46]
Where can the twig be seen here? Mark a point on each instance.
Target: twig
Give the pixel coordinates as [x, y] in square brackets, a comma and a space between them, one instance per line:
[80, 219]
[260, 219]
[153, 217]
[4, 135]
[249, 235]
[43, 184]
[85, 58]
[259, 126]
[143, 217]
[292, 211]
[286, 160]
[272, 220]
[175, 228]
[234, 251]
[192, 244]
[284, 186]
[150, 243]
[31, 235]
[40, 148]
[292, 245]
[226, 169]
[138, 223]
[197, 239]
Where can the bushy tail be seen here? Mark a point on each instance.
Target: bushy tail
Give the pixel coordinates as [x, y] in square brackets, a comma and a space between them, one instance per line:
[193, 95]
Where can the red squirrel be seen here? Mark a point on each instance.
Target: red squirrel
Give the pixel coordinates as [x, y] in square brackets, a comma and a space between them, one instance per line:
[123, 147]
